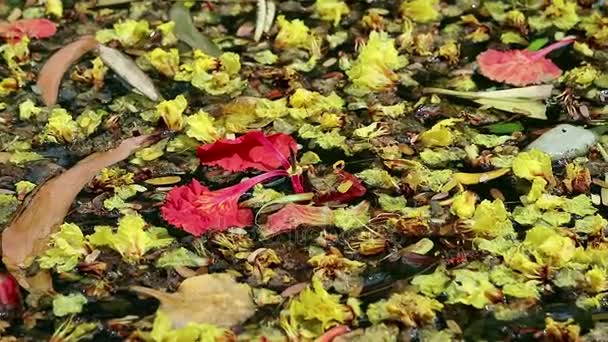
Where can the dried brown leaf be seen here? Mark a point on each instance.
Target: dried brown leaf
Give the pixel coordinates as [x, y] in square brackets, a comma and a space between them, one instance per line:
[210, 298]
[55, 67]
[26, 236]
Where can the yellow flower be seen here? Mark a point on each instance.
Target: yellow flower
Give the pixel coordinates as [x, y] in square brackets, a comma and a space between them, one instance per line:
[171, 112]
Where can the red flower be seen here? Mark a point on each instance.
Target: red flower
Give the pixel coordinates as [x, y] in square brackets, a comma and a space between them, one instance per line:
[253, 150]
[344, 187]
[520, 67]
[33, 28]
[197, 210]
[10, 297]
[292, 216]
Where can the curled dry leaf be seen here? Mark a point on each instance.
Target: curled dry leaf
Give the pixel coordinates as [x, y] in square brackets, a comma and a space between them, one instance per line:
[129, 71]
[26, 235]
[187, 32]
[55, 67]
[209, 298]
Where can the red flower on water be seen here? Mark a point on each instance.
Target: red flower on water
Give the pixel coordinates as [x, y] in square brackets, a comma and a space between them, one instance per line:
[521, 67]
[254, 150]
[33, 28]
[10, 297]
[293, 215]
[197, 210]
[347, 187]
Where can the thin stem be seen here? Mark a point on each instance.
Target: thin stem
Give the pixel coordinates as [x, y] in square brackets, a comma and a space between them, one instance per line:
[548, 49]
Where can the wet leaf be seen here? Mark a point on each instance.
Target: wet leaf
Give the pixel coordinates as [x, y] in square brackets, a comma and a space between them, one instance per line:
[56, 66]
[215, 299]
[129, 71]
[27, 234]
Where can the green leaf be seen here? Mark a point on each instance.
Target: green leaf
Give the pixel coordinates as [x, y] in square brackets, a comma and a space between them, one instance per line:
[505, 128]
[70, 304]
[181, 257]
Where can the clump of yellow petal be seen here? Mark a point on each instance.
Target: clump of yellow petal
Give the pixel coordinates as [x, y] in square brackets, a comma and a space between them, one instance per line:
[200, 126]
[374, 68]
[441, 134]
[312, 312]
[166, 29]
[61, 128]
[331, 10]
[463, 204]
[132, 239]
[471, 288]
[54, 8]
[491, 219]
[409, 308]
[215, 76]
[295, 34]
[422, 11]
[166, 62]
[532, 164]
[128, 33]
[171, 112]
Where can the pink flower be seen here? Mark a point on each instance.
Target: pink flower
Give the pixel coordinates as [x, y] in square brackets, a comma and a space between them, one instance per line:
[33, 28]
[520, 67]
[197, 210]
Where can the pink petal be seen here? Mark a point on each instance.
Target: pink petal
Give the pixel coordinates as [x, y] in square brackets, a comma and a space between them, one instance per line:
[520, 67]
[292, 216]
[197, 210]
[247, 152]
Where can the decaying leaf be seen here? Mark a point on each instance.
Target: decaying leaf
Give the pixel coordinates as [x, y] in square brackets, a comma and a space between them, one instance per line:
[26, 236]
[55, 67]
[129, 71]
[527, 100]
[210, 298]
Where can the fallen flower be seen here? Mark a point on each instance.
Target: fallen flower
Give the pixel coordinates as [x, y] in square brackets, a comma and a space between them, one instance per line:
[10, 297]
[55, 67]
[32, 28]
[197, 210]
[293, 215]
[254, 150]
[26, 236]
[521, 67]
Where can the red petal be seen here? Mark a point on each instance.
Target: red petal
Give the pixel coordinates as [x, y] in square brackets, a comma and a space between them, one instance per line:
[247, 152]
[293, 215]
[33, 28]
[356, 189]
[520, 67]
[197, 210]
[10, 297]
